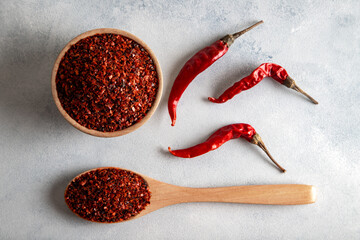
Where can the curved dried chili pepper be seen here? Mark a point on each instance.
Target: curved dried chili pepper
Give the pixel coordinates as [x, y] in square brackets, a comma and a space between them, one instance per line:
[221, 136]
[198, 63]
[272, 70]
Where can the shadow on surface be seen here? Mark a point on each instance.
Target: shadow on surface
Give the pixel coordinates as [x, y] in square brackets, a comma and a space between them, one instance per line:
[26, 62]
[56, 196]
[164, 151]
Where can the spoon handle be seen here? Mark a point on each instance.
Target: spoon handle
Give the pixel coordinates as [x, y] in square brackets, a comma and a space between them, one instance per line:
[284, 194]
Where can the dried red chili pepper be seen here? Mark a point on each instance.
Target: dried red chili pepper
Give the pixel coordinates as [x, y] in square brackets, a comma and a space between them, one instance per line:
[272, 70]
[107, 195]
[198, 63]
[107, 82]
[221, 136]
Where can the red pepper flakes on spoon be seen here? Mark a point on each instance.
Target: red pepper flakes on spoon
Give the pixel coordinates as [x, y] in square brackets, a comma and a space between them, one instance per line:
[107, 195]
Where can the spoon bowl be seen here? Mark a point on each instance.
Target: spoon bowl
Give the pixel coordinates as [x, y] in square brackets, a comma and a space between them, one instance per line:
[164, 194]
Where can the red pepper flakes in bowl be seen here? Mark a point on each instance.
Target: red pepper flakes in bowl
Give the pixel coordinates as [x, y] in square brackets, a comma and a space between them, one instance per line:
[107, 82]
[107, 195]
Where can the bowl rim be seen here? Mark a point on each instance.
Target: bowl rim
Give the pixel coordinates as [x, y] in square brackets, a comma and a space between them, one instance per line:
[92, 131]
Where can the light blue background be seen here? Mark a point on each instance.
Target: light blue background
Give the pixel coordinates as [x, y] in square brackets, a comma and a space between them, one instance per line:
[316, 41]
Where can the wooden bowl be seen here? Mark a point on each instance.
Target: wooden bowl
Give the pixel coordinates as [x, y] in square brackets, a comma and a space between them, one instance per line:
[92, 131]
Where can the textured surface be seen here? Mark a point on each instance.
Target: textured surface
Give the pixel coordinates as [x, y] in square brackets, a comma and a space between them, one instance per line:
[316, 41]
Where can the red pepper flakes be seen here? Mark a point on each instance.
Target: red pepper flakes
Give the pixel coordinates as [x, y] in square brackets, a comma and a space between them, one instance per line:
[107, 82]
[107, 195]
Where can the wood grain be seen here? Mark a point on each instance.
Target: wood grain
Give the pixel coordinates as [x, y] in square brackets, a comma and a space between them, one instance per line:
[164, 194]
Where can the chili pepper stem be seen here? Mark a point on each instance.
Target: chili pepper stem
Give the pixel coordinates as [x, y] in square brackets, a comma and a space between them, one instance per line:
[230, 38]
[238, 34]
[296, 88]
[290, 83]
[258, 141]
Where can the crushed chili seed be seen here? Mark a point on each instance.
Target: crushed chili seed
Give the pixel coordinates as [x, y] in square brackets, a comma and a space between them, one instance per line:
[107, 195]
[107, 82]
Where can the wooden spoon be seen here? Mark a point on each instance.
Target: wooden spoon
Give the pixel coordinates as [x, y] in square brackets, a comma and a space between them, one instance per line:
[164, 194]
